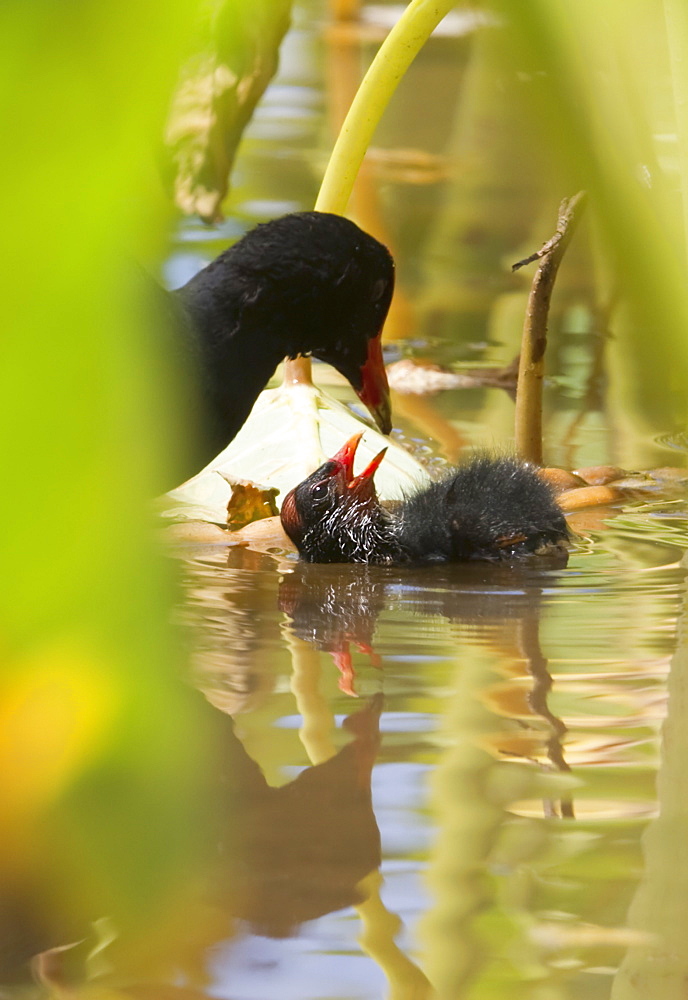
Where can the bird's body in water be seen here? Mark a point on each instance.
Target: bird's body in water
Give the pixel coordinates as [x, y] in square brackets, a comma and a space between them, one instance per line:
[306, 283]
[490, 508]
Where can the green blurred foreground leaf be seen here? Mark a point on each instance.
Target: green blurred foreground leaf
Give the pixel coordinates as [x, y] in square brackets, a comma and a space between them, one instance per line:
[597, 84]
[235, 56]
[100, 803]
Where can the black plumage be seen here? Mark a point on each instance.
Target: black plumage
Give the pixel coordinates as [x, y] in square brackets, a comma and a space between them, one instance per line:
[491, 508]
[306, 283]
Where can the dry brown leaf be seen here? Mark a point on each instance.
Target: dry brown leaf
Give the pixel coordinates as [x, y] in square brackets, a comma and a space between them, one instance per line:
[560, 479]
[588, 496]
[419, 377]
[248, 503]
[600, 475]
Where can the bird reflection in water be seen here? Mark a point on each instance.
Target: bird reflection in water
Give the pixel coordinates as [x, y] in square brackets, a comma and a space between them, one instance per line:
[336, 607]
[272, 857]
[302, 846]
[299, 851]
[312, 846]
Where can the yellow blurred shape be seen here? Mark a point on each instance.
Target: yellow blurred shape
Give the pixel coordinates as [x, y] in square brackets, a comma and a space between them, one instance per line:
[55, 712]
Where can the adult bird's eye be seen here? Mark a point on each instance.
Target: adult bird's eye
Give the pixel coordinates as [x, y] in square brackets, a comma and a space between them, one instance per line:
[378, 289]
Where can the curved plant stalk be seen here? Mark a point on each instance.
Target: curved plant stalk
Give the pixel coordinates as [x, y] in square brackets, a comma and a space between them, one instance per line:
[342, 80]
[394, 57]
[397, 52]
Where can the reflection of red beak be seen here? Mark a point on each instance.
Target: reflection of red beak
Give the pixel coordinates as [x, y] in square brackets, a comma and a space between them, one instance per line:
[374, 391]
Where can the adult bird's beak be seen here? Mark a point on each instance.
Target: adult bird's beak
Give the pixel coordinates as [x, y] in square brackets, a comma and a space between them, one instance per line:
[374, 390]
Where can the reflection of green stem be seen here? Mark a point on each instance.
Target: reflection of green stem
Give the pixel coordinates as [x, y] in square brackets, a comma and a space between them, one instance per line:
[380, 928]
[318, 723]
[469, 822]
[656, 964]
[396, 54]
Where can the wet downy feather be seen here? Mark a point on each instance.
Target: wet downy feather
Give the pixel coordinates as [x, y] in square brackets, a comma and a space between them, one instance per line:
[491, 508]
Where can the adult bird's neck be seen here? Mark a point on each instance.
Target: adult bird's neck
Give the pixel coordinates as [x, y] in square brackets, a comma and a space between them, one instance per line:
[233, 359]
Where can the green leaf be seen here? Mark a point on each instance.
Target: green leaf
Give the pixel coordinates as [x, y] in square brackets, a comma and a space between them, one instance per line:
[235, 57]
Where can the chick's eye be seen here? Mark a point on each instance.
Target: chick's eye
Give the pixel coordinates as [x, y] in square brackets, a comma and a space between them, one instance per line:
[378, 289]
[319, 491]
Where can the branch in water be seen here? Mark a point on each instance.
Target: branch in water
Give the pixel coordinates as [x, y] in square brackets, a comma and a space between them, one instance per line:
[528, 418]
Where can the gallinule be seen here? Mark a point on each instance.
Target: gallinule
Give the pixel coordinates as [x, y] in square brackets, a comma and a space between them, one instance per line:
[490, 508]
[306, 283]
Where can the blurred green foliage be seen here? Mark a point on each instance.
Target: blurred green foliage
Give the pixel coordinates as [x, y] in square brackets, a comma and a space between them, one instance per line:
[598, 80]
[233, 58]
[99, 752]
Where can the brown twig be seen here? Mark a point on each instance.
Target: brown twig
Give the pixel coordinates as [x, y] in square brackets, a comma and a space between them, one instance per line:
[528, 419]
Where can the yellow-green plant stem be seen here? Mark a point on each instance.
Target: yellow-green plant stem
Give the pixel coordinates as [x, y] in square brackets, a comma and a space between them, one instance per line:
[394, 57]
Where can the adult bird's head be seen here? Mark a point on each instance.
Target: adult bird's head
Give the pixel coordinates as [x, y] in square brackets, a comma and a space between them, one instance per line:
[334, 516]
[322, 286]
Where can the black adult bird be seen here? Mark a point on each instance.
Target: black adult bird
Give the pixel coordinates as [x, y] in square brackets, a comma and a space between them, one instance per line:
[491, 508]
[306, 283]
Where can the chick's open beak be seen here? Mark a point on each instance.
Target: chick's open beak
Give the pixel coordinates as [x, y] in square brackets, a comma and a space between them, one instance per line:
[363, 483]
[343, 465]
